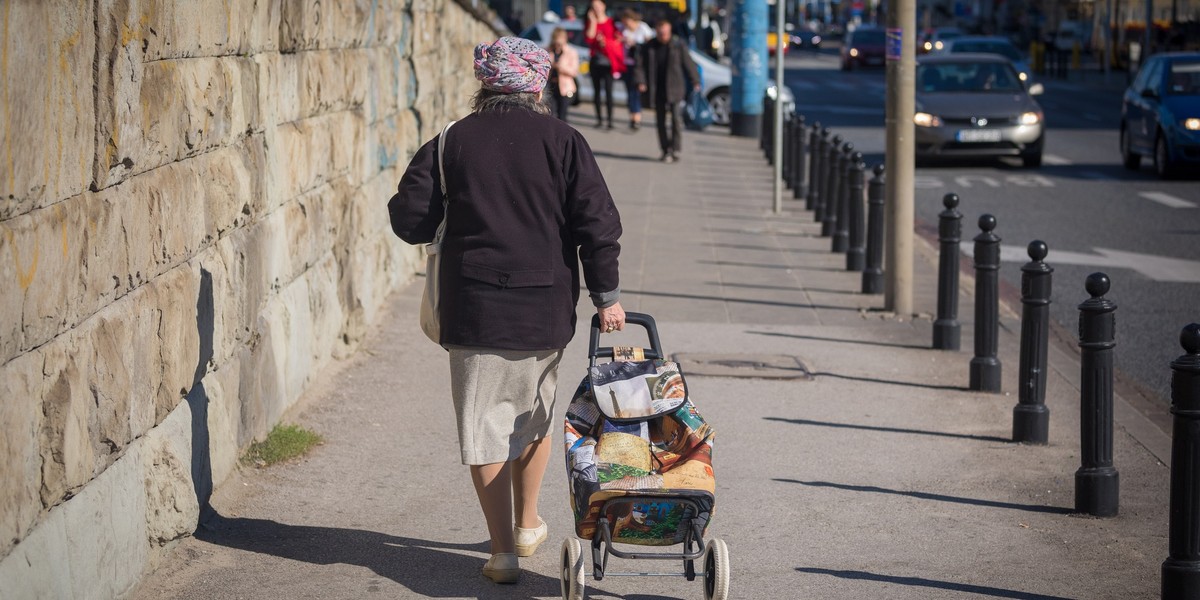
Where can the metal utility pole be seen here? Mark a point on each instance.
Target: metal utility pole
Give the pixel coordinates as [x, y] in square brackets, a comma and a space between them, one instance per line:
[749, 38]
[777, 119]
[901, 87]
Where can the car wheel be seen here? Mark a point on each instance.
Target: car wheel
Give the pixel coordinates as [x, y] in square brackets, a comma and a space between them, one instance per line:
[1162, 158]
[1131, 159]
[722, 106]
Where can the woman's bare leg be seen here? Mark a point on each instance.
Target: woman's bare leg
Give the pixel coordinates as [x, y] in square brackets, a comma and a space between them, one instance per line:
[527, 472]
[493, 485]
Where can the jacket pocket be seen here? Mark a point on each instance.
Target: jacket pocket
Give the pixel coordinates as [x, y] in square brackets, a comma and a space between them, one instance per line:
[508, 278]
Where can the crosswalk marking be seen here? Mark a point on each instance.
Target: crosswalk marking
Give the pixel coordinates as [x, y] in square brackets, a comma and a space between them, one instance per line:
[1157, 268]
[1054, 159]
[1167, 200]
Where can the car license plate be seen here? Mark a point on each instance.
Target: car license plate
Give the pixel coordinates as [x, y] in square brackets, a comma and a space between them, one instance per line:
[979, 135]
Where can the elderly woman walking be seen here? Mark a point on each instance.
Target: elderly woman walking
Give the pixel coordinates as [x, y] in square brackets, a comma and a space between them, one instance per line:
[526, 205]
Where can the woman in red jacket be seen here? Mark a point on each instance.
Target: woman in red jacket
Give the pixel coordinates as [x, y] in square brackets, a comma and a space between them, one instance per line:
[607, 59]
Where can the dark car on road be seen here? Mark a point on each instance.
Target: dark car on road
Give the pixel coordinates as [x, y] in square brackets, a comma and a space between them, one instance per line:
[1160, 114]
[975, 105]
[863, 47]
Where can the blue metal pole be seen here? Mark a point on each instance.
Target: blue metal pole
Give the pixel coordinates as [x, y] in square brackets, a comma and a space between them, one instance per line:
[749, 38]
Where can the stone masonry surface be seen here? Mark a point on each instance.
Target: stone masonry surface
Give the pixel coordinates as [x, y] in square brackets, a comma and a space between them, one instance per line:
[191, 228]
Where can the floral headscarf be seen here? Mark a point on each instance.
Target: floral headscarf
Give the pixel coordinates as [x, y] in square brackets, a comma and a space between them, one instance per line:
[512, 65]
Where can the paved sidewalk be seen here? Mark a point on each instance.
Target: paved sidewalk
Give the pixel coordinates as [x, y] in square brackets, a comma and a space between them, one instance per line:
[879, 478]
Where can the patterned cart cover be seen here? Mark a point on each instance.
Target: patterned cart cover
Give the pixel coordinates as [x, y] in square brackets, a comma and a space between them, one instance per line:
[666, 455]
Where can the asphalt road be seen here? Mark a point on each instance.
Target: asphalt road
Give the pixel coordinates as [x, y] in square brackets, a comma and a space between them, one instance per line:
[1093, 214]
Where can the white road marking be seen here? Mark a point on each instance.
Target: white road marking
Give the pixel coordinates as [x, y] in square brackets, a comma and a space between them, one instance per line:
[930, 182]
[1167, 200]
[1157, 268]
[1054, 159]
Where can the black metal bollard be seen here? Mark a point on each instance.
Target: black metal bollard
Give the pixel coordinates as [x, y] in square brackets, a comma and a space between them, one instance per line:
[946, 329]
[872, 277]
[830, 185]
[1181, 570]
[841, 188]
[799, 160]
[1031, 418]
[1096, 481]
[768, 110]
[985, 367]
[785, 171]
[856, 253]
[841, 224]
[827, 159]
[814, 166]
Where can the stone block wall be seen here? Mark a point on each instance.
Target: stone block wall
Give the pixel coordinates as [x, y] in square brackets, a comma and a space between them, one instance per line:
[192, 225]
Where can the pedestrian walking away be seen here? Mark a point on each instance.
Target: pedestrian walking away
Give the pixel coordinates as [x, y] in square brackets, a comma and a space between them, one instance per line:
[560, 88]
[666, 71]
[635, 32]
[607, 60]
[525, 205]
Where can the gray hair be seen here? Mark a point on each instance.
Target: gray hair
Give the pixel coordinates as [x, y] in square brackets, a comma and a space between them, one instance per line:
[486, 100]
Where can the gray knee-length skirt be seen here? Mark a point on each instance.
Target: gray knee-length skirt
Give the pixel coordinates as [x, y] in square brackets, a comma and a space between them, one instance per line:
[503, 400]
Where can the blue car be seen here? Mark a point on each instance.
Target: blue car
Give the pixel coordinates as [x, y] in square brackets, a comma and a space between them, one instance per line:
[1160, 114]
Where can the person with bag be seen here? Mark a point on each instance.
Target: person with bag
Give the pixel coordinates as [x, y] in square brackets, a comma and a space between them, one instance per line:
[513, 202]
[607, 57]
[561, 85]
[666, 70]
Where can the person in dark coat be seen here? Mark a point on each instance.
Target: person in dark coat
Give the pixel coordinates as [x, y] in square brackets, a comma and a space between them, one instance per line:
[666, 71]
[527, 205]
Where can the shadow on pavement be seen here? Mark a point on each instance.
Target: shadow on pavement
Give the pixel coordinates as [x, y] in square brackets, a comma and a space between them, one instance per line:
[816, 338]
[929, 496]
[930, 583]
[616, 156]
[803, 234]
[429, 568]
[785, 288]
[961, 436]
[765, 248]
[928, 386]
[733, 263]
[738, 300]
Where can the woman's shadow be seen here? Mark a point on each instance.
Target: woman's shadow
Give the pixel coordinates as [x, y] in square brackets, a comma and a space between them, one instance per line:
[429, 568]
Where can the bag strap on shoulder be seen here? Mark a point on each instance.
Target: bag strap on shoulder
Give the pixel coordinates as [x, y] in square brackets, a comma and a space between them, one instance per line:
[436, 246]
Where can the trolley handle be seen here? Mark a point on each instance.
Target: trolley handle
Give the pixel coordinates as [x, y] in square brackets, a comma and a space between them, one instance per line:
[645, 320]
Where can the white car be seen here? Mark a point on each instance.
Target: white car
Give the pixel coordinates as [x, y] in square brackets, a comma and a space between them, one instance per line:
[715, 77]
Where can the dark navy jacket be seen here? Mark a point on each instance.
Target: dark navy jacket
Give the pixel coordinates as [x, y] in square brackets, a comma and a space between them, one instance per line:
[528, 205]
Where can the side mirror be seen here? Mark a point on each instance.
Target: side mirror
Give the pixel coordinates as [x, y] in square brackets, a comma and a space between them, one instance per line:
[1149, 93]
[1037, 89]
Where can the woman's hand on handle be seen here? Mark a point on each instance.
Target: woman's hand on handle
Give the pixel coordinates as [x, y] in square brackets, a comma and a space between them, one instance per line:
[612, 318]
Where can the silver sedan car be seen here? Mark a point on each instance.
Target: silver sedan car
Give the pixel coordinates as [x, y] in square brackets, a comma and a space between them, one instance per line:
[975, 105]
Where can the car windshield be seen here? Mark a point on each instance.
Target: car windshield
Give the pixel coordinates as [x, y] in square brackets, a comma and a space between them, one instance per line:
[967, 77]
[868, 37]
[1003, 49]
[1184, 79]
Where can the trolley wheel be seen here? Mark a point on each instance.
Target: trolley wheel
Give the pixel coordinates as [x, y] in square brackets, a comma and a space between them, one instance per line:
[716, 570]
[571, 577]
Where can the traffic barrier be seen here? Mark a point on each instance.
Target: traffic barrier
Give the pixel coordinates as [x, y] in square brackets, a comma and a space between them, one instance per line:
[946, 329]
[829, 185]
[1031, 417]
[786, 170]
[985, 367]
[799, 159]
[856, 253]
[872, 277]
[1096, 482]
[840, 193]
[1181, 570]
[814, 166]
